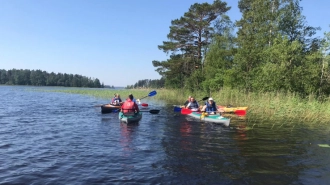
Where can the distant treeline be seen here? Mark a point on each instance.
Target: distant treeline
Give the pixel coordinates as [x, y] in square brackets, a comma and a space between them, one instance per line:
[43, 78]
[158, 83]
[110, 87]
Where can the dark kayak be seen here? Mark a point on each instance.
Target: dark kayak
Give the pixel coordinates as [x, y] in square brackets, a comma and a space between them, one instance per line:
[108, 108]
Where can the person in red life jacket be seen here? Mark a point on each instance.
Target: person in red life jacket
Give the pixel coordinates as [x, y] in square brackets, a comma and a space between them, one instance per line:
[129, 106]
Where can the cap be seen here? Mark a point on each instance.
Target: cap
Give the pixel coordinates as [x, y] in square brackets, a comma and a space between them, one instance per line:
[211, 99]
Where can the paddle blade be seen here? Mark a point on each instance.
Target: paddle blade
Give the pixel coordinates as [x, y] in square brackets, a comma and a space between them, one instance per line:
[177, 109]
[154, 111]
[205, 98]
[240, 112]
[144, 105]
[152, 93]
[186, 111]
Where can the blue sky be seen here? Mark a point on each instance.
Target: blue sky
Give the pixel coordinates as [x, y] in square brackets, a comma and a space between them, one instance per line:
[114, 41]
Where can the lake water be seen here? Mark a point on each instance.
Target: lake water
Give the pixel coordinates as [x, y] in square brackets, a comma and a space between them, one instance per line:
[58, 138]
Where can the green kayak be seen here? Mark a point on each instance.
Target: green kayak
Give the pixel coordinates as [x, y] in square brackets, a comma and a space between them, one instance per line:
[130, 118]
[210, 118]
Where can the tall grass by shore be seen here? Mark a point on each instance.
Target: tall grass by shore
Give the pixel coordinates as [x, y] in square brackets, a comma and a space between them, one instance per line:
[276, 108]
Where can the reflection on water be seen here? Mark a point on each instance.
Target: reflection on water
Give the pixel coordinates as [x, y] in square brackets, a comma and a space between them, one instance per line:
[127, 134]
[57, 138]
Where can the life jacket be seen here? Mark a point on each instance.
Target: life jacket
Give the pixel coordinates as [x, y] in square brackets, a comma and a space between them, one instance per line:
[193, 105]
[129, 106]
[115, 101]
[210, 107]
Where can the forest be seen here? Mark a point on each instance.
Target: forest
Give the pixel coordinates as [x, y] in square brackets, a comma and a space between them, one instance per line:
[148, 83]
[43, 78]
[270, 49]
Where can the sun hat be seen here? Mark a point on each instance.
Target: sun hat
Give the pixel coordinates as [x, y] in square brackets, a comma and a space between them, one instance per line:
[210, 99]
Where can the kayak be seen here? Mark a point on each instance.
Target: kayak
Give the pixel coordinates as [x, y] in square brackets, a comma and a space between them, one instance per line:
[214, 118]
[108, 108]
[177, 108]
[136, 117]
[231, 109]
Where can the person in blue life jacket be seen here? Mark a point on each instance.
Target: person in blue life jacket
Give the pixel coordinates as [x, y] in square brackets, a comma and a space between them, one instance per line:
[119, 99]
[210, 106]
[193, 104]
[116, 100]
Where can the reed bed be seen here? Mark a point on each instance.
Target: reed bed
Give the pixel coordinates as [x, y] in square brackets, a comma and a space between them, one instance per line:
[277, 108]
[104, 93]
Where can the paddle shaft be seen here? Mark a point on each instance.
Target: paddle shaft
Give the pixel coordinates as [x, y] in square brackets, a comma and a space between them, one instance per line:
[152, 93]
[144, 97]
[237, 112]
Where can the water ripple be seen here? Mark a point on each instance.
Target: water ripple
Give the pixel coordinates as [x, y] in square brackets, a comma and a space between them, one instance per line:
[57, 138]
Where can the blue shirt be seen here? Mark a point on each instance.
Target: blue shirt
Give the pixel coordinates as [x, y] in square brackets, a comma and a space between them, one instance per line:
[210, 107]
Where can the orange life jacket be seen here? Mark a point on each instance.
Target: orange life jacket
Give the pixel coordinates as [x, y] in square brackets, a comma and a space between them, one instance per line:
[129, 106]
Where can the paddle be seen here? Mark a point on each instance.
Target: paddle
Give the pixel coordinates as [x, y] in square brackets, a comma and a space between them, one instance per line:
[152, 93]
[205, 98]
[144, 105]
[154, 111]
[178, 109]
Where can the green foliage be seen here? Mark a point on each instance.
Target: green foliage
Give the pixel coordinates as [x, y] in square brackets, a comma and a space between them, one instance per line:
[42, 78]
[174, 71]
[194, 82]
[190, 34]
[154, 84]
[274, 50]
[219, 58]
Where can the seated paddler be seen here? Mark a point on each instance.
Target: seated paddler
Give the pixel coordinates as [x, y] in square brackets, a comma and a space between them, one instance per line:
[193, 104]
[210, 106]
[116, 100]
[129, 107]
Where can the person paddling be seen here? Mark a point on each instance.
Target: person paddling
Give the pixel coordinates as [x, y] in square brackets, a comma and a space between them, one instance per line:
[129, 106]
[210, 106]
[116, 100]
[193, 104]
[187, 102]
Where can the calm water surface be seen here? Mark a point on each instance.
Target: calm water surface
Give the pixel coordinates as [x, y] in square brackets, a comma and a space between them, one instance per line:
[57, 138]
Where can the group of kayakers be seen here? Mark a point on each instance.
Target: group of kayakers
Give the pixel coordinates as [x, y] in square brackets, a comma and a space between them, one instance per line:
[209, 106]
[129, 106]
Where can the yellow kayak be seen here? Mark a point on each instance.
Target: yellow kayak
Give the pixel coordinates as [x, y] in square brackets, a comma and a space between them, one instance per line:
[231, 109]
